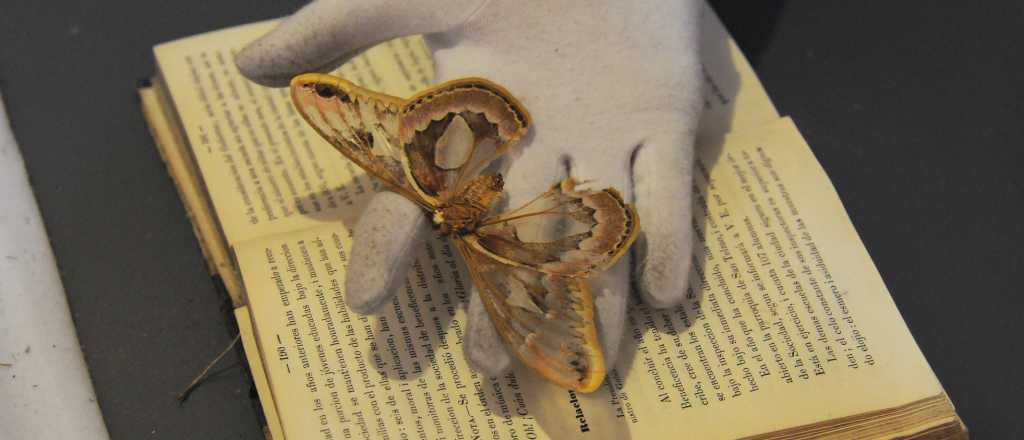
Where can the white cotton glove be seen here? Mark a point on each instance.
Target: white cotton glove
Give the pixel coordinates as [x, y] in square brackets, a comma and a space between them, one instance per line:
[614, 89]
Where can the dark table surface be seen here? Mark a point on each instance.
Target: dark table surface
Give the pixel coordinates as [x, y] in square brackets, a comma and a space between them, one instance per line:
[914, 109]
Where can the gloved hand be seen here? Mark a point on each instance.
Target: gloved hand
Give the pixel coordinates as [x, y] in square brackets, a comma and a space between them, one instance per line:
[615, 92]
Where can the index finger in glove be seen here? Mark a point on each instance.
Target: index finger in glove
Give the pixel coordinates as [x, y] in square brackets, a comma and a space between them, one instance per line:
[662, 179]
[387, 237]
[485, 349]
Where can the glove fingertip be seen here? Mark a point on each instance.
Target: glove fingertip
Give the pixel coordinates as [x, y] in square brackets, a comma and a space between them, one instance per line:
[610, 295]
[484, 349]
[662, 177]
[363, 294]
[663, 269]
[252, 62]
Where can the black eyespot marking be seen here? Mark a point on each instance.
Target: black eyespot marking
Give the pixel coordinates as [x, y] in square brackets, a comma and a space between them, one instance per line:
[344, 97]
[324, 91]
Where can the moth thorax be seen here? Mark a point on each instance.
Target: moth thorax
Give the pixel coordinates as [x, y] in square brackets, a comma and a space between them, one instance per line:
[457, 218]
[440, 225]
[462, 213]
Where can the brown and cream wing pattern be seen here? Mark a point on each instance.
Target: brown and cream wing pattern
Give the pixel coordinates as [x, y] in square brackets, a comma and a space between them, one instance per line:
[427, 147]
[452, 132]
[546, 320]
[565, 231]
[361, 124]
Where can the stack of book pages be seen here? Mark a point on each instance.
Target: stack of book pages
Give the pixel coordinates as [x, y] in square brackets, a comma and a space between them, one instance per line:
[787, 331]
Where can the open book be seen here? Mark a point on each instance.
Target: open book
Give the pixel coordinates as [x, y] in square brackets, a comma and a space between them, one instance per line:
[787, 332]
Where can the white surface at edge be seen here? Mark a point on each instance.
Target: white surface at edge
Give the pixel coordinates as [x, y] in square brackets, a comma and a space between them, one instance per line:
[45, 389]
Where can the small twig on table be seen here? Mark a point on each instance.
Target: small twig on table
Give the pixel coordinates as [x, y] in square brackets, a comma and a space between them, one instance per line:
[202, 374]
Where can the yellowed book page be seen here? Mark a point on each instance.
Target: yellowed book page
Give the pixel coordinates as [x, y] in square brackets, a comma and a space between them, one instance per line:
[734, 99]
[335, 374]
[401, 373]
[259, 375]
[265, 169]
[788, 323]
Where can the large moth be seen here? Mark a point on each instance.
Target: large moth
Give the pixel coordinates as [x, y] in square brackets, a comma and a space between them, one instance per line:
[529, 264]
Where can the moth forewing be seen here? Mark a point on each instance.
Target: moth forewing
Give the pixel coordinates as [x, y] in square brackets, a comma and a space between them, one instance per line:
[332, 107]
[408, 172]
